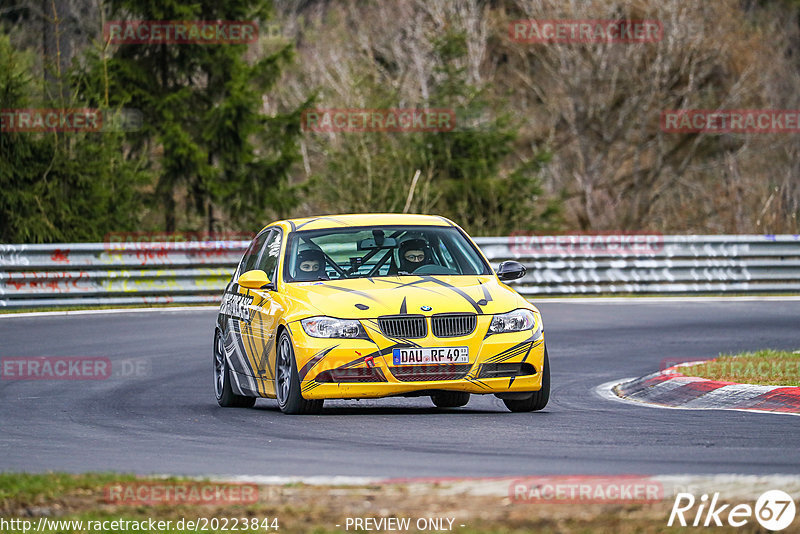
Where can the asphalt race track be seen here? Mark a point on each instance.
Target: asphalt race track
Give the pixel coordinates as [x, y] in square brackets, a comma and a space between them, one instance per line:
[165, 419]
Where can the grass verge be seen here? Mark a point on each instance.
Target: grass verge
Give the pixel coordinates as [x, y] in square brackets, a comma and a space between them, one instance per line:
[301, 508]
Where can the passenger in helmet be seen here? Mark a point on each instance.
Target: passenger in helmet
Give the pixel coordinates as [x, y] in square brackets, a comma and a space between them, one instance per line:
[414, 253]
[310, 266]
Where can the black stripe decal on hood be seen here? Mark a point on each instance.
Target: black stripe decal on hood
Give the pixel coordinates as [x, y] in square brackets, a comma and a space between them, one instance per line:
[401, 285]
[456, 290]
[486, 295]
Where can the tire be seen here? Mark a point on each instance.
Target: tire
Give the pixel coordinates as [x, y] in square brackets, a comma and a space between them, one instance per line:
[222, 380]
[538, 400]
[287, 382]
[450, 399]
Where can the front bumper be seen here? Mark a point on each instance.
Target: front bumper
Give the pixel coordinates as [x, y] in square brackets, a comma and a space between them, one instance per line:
[322, 361]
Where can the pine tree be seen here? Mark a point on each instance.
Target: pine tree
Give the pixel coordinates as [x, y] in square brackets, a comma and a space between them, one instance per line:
[201, 106]
[58, 186]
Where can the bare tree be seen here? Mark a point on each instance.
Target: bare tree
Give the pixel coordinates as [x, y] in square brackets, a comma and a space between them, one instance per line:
[595, 106]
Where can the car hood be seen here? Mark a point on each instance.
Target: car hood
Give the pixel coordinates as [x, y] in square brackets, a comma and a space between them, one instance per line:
[366, 298]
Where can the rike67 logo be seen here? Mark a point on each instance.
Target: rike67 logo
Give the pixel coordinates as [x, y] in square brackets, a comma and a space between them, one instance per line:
[774, 510]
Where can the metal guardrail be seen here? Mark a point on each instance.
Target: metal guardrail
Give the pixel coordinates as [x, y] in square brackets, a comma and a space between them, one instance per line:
[89, 274]
[631, 264]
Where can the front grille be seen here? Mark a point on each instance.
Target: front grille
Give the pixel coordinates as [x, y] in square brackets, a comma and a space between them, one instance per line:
[356, 374]
[453, 325]
[505, 370]
[421, 373]
[403, 326]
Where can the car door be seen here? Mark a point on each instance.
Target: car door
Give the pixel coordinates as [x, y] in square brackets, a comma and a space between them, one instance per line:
[266, 311]
[237, 314]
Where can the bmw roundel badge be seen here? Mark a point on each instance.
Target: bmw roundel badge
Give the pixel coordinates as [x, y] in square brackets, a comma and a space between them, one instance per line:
[425, 308]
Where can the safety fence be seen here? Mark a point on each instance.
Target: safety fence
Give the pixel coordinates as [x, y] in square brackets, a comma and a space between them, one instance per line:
[645, 264]
[90, 274]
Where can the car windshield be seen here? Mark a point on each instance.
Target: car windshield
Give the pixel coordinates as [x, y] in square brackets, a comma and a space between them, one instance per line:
[340, 253]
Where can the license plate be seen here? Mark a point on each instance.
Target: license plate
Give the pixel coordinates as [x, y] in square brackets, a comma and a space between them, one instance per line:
[424, 355]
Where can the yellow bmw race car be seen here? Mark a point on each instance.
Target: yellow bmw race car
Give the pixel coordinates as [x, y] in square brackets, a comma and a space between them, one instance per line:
[375, 305]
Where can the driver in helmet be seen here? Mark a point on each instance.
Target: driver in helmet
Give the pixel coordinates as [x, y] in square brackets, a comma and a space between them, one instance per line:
[310, 265]
[414, 253]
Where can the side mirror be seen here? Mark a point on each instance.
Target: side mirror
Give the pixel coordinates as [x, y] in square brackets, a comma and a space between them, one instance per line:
[510, 270]
[254, 280]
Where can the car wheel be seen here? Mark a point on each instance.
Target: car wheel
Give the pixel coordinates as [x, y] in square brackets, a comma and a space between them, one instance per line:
[450, 399]
[538, 400]
[222, 380]
[287, 382]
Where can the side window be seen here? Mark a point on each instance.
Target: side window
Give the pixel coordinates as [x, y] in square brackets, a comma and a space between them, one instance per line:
[251, 255]
[271, 254]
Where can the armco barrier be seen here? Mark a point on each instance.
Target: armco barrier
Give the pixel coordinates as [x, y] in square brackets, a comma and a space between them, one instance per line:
[564, 265]
[91, 274]
[195, 272]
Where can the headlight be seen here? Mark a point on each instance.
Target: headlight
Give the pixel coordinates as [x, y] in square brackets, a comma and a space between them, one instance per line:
[515, 321]
[330, 327]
